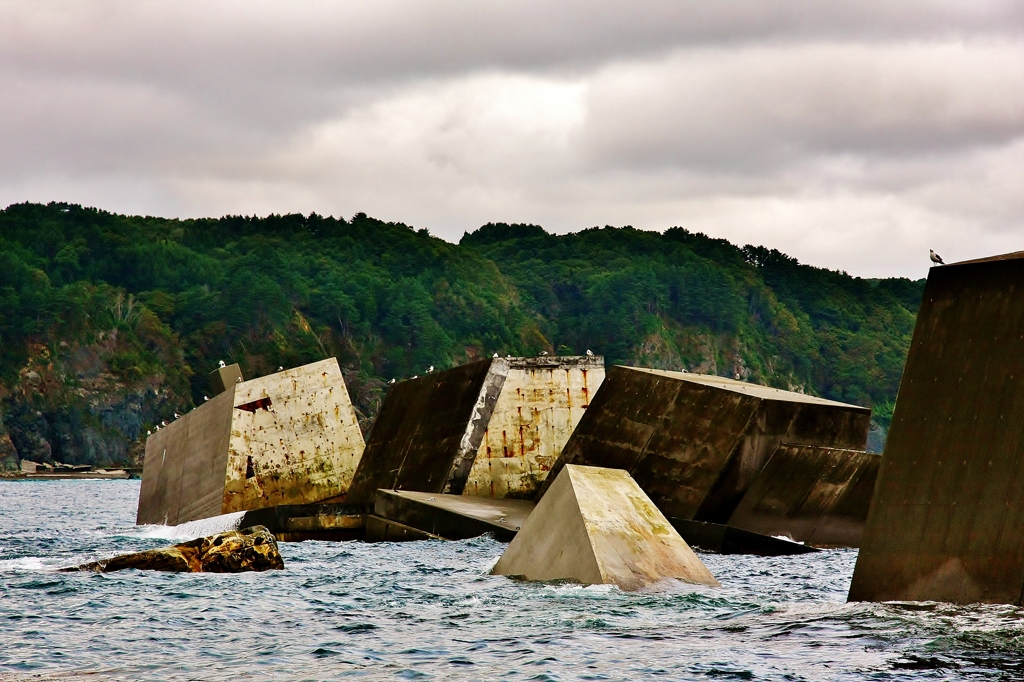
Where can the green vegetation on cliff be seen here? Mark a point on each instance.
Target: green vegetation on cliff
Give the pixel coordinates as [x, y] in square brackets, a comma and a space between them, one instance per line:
[110, 323]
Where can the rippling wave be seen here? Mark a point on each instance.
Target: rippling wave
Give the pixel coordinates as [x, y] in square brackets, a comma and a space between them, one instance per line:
[429, 610]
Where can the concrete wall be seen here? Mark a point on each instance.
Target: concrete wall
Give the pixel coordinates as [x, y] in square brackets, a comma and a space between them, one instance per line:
[948, 508]
[183, 471]
[811, 494]
[295, 439]
[541, 402]
[287, 438]
[428, 431]
[695, 443]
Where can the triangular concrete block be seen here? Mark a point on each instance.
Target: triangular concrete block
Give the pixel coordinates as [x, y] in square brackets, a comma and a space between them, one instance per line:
[595, 526]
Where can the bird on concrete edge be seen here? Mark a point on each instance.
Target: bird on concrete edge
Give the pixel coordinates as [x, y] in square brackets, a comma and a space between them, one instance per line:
[495, 355]
[177, 416]
[149, 433]
[205, 398]
[163, 423]
[391, 382]
[590, 353]
[416, 376]
[222, 363]
[280, 368]
[936, 258]
[430, 369]
[543, 352]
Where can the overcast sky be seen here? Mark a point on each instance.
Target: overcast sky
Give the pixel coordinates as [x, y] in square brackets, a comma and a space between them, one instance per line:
[852, 135]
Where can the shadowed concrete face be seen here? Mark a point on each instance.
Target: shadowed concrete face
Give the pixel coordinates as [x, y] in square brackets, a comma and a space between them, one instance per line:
[287, 438]
[810, 494]
[596, 526]
[695, 443]
[491, 428]
[948, 508]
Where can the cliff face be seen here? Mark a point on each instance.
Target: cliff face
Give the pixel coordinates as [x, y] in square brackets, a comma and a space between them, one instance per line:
[71, 404]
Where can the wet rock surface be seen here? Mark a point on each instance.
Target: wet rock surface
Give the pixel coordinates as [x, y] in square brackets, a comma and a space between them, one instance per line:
[251, 549]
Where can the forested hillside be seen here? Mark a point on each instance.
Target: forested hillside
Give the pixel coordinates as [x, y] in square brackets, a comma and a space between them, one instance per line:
[109, 324]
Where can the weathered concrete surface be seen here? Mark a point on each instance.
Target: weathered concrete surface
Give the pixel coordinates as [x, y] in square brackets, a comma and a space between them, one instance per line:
[223, 378]
[452, 517]
[296, 523]
[251, 549]
[432, 431]
[948, 508]
[287, 438]
[717, 537]
[541, 402]
[597, 526]
[695, 443]
[810, 494]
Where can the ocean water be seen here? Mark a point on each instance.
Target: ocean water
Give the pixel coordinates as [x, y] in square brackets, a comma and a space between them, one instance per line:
[429, 610]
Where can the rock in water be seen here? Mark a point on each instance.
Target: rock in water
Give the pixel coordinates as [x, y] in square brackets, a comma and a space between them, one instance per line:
[251, 549]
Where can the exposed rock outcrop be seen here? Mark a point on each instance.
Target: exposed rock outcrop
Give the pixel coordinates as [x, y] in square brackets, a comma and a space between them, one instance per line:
[251, 549]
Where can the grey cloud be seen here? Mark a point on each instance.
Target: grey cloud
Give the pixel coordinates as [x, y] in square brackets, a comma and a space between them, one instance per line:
[851, 134]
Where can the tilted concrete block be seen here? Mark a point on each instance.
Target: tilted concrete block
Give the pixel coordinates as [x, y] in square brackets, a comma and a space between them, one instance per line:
[596, 526]
[286, 438]
[948, 509]
[491, 428]
[695, 443]
[811, 494]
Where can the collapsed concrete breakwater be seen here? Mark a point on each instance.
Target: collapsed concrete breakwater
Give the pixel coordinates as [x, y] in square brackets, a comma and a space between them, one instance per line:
[470, 450]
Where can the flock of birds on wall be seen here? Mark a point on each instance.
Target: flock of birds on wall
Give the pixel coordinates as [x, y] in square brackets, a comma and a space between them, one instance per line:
[934, 257]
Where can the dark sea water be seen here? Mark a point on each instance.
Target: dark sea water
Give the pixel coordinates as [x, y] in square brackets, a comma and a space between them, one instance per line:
[429, 610]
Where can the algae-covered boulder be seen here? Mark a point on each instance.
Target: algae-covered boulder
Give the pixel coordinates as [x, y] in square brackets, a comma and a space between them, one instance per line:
[251, 549]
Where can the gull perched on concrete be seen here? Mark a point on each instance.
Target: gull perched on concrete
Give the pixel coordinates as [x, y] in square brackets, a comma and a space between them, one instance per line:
[205, 398]
[430, 369]
[543, 352]
[177, 416]
[391, 382]
[495, 355]
[936, 258]
[222, 363]
[590, 353]
[280, 368]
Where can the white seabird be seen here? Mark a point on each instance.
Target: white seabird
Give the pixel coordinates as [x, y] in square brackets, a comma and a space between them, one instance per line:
[936, 258]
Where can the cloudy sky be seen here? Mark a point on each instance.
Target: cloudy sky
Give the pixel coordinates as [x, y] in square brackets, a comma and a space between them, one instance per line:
[852, 135]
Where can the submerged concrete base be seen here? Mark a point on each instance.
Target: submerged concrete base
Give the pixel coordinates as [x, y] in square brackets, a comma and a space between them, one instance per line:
[596, 526]
[379, 529]
[452, 517]
[717, 537]
[298, 522]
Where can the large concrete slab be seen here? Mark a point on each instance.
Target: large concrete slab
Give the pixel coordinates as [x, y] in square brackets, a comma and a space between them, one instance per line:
[948, 508]
[596, 526]
[696, 443]
[287, 438]
[451, 517]
[491, 428]
[811, 494]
